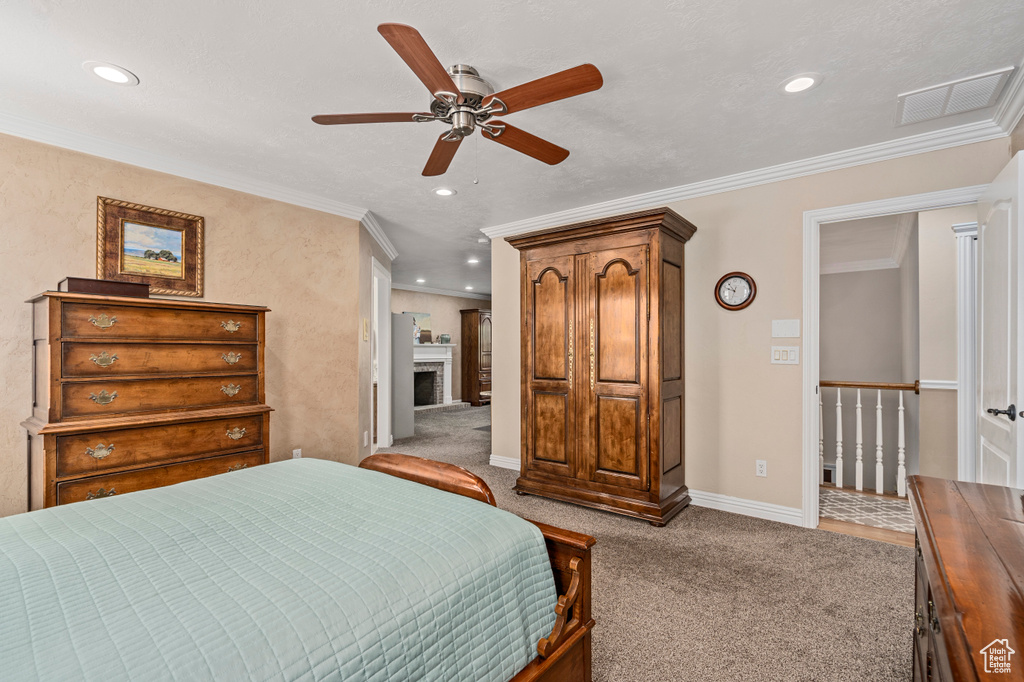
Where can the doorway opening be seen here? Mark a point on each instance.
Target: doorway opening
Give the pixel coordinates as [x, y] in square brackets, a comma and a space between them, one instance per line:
[380, 358]
[905, 370]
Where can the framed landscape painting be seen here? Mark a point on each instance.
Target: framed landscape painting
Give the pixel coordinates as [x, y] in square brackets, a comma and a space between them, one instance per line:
[147, 245]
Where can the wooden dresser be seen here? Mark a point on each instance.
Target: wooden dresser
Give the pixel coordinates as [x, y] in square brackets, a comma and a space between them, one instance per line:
[476, 356]
[602, 363]
[139, 393]
[970, 580]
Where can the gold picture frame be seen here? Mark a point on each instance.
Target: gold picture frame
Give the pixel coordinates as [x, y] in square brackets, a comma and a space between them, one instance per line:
[148, 245]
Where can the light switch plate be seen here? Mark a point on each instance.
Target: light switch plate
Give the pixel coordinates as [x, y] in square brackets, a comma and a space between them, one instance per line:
[785, 355]
[785, 329]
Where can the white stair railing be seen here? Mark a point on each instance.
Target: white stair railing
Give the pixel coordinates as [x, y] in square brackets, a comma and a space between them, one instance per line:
[901, 468]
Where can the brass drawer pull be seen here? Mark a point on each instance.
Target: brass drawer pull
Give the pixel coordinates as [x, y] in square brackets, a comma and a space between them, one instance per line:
[238, 467]
[103, 398]
[235, 433]
[100, 451]
[231, 358]
[231, 326]
[103, 321]
[104, 359]
[100, 493]
[231, 390]
[933, 617]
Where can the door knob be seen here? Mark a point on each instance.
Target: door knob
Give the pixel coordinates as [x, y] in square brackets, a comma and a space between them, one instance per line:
[1010, 412]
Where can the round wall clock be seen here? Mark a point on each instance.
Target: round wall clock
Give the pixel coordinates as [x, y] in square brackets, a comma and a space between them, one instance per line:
[735, 291]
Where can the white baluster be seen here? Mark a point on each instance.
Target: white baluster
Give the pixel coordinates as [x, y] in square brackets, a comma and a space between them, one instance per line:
[901, 443]
[821, 443]
[839, 438]
[879, 471]
[859, 472]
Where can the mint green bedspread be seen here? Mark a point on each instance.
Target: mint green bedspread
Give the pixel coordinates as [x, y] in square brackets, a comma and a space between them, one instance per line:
[299, 570]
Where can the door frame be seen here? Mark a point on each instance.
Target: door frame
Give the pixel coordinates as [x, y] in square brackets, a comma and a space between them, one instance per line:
[381, 338]
[813, 220]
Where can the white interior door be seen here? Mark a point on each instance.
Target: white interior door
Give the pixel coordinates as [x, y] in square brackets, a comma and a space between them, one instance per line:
[1000, 458]
[382, 352]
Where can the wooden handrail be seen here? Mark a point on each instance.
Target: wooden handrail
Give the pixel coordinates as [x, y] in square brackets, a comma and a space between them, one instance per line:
[915, 387]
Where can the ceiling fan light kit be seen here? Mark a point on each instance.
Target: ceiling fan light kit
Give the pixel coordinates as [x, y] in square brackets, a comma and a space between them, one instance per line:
[464, 101]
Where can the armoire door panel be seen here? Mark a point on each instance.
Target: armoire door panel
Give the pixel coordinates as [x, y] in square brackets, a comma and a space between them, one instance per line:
[485, 343]
[619, 291]
[618, 426]
[550, 435]
[551, 306]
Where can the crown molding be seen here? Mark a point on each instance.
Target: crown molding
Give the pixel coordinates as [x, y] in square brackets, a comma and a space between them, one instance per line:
[441, 292]
[860, 266]
[369, 221]
[1011, 105]
[906, 146]
[116, 151]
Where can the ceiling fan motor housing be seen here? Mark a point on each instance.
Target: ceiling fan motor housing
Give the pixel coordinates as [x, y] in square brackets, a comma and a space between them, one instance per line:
[466, 115]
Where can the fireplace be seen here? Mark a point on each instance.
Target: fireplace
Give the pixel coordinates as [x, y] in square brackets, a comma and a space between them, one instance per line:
[434, 359]
[427, 383]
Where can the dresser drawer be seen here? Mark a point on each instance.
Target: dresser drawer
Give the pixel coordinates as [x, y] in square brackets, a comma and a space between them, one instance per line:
[109, 321]
[81, 359]
[154, 477]
[99, 451]
[113, 397]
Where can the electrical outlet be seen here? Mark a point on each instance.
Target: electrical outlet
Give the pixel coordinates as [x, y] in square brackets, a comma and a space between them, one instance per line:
[762, 468]
[366, 438]
[296, 453]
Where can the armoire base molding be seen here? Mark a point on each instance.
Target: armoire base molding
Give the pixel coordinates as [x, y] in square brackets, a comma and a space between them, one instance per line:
[655, 514]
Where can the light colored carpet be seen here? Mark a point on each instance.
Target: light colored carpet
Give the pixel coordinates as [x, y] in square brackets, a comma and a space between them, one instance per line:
[715, 596]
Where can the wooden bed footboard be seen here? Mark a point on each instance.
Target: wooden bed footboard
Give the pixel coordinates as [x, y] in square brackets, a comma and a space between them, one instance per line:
[564, 655]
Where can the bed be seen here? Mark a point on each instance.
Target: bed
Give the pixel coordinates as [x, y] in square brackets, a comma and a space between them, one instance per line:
[298, 570]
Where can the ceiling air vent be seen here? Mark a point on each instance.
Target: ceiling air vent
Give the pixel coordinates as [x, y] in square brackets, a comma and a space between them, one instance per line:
[955, 97]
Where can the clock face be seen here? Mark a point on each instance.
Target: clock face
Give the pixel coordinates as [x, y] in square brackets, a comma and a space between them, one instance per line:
[735, 291]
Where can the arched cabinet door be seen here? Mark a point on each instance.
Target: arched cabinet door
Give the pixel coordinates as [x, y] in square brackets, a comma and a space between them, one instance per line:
[617, 355]
[549, 405]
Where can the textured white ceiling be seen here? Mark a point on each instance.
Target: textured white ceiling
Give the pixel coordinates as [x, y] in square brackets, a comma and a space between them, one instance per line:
[691, 93]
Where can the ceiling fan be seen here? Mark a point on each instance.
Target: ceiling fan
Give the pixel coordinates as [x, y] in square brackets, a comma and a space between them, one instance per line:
[465, 101]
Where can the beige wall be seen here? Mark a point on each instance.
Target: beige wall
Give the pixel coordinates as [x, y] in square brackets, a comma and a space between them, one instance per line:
[938, 317]
[444, 319]
[758, 230]
[299, 262]
[1017, 137]
[860, 326]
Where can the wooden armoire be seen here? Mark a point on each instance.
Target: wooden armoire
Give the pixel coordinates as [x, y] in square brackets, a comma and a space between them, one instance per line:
[602, 364]
[476, 356]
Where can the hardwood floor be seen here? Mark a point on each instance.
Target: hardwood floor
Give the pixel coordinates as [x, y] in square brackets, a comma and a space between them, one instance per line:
[868, 532]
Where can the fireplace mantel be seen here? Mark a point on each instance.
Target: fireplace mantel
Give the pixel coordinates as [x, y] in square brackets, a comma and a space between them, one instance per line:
[437, 352]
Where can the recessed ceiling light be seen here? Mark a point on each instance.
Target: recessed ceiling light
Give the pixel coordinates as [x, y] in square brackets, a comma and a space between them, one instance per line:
[473, 261]
[469, 288]
[444, 191]
[111, 73]
[800, 83]
[420, 281]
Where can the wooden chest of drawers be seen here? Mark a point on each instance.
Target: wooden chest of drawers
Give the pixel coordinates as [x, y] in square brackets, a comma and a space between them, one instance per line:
[139, 393]
[969, 612]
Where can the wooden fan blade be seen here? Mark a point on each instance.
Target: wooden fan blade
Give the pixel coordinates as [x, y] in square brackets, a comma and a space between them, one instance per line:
[568, 83]
[528, 144]
[336, 119]
[441, 157]
[415, 52]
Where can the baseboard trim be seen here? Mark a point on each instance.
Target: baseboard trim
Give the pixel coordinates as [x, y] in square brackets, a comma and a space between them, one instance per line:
[504, 462]
[738, 505]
